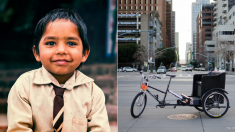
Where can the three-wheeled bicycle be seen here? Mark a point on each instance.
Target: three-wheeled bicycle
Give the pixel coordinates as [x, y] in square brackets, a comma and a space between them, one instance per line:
[208, 95]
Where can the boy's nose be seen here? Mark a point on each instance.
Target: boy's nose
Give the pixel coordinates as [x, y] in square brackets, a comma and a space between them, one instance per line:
[61, 49]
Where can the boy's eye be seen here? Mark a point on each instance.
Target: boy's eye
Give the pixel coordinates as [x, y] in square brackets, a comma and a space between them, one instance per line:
[50, 43]
[71, 43]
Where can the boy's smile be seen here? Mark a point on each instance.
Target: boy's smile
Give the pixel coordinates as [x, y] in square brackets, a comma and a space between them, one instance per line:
[61, 49]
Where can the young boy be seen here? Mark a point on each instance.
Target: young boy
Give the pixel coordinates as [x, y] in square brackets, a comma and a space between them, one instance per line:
[57, 97]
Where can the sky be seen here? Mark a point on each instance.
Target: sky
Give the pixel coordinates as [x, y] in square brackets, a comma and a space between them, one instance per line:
[183, 23]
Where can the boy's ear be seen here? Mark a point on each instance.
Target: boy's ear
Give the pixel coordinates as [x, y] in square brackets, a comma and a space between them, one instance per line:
[85, 55]
[35, 54]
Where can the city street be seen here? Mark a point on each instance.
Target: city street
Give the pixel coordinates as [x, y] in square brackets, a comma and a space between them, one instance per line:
[155, 119]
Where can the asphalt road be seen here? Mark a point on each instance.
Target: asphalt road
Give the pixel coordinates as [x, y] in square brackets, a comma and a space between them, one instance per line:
[155, 119]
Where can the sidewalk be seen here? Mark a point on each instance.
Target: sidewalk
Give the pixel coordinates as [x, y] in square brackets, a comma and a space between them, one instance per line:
[230, 73]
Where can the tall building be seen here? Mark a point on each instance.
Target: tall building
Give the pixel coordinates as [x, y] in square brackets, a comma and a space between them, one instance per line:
[188, 53]
[196, 6]
[168, 23]
[204, 33]
[173, 29]
[131, 22]
[223, 33]
[147, 7]
[177, 44]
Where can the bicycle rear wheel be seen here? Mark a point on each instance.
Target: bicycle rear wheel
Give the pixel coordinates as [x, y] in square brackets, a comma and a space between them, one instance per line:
[215, 104]
[138, 104]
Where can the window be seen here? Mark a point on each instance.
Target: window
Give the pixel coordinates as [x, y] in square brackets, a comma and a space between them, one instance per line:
[226, 32]
[120, 1]
[130, 1]
[208, 29]
[207, 38]
[210, 45]
[151, 1]
[146, 1]
[207, 34]
[155, 1]
[124, 1]
[155, 8]
[135, 1]
[130, 7]
[120, 7]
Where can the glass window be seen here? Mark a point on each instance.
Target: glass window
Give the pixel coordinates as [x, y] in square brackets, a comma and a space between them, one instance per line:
[208, 29]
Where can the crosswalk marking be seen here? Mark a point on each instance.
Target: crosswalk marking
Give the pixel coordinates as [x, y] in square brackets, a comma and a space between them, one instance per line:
[189, 75]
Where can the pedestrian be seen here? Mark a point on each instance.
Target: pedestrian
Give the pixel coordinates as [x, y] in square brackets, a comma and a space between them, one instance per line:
[57, 96]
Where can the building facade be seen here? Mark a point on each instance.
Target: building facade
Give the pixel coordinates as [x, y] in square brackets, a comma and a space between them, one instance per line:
[142, 22]
[204, 33]
[173, 29]
[223, 33]
[177, 44]
[147, 7]
[196, 6]
[188, 53]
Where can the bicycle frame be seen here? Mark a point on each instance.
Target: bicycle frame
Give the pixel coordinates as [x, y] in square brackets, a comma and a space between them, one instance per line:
[167, 90]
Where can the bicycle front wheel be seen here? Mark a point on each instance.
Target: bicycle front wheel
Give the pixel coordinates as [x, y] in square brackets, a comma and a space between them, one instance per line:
[138, 104]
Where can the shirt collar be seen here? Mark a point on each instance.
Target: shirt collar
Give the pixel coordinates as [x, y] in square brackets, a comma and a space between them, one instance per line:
[42, 76]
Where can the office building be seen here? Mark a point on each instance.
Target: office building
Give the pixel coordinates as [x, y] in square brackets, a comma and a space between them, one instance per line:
[204, 33]
[196, 6]
[147, 7]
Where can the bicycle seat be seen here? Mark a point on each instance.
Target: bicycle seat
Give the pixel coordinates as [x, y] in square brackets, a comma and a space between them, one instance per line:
[171, 75]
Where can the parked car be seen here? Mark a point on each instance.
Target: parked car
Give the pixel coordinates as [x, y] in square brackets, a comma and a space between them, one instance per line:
[161, 69]
[119, 70]
[126, 69]
[189, 68]
[178, 68]
[222, 70]
[184, 68]
[173, 69]
[203, 69]
[135, 69]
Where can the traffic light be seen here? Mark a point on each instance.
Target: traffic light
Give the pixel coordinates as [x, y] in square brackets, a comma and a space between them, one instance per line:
[154, 32]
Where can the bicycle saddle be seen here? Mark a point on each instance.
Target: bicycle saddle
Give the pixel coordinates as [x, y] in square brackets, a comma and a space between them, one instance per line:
[170, 75]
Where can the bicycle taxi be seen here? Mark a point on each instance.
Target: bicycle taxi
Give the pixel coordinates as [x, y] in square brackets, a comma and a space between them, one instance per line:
[208, 95]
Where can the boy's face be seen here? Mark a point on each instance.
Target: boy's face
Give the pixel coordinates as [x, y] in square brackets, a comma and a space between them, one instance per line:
[61, 48]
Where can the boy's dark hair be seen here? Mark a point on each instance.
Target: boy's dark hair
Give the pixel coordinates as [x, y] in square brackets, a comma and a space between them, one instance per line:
[61, 13]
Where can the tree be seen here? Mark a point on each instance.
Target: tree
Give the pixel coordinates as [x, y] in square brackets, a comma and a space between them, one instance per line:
[167, 56]
[140, 54]
[225, 49]
[126, 52]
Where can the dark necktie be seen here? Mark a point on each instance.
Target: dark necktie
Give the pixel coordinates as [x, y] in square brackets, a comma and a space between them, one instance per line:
[58, 110]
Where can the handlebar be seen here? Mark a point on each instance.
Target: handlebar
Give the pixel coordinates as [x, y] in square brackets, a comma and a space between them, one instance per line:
[150, 77]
